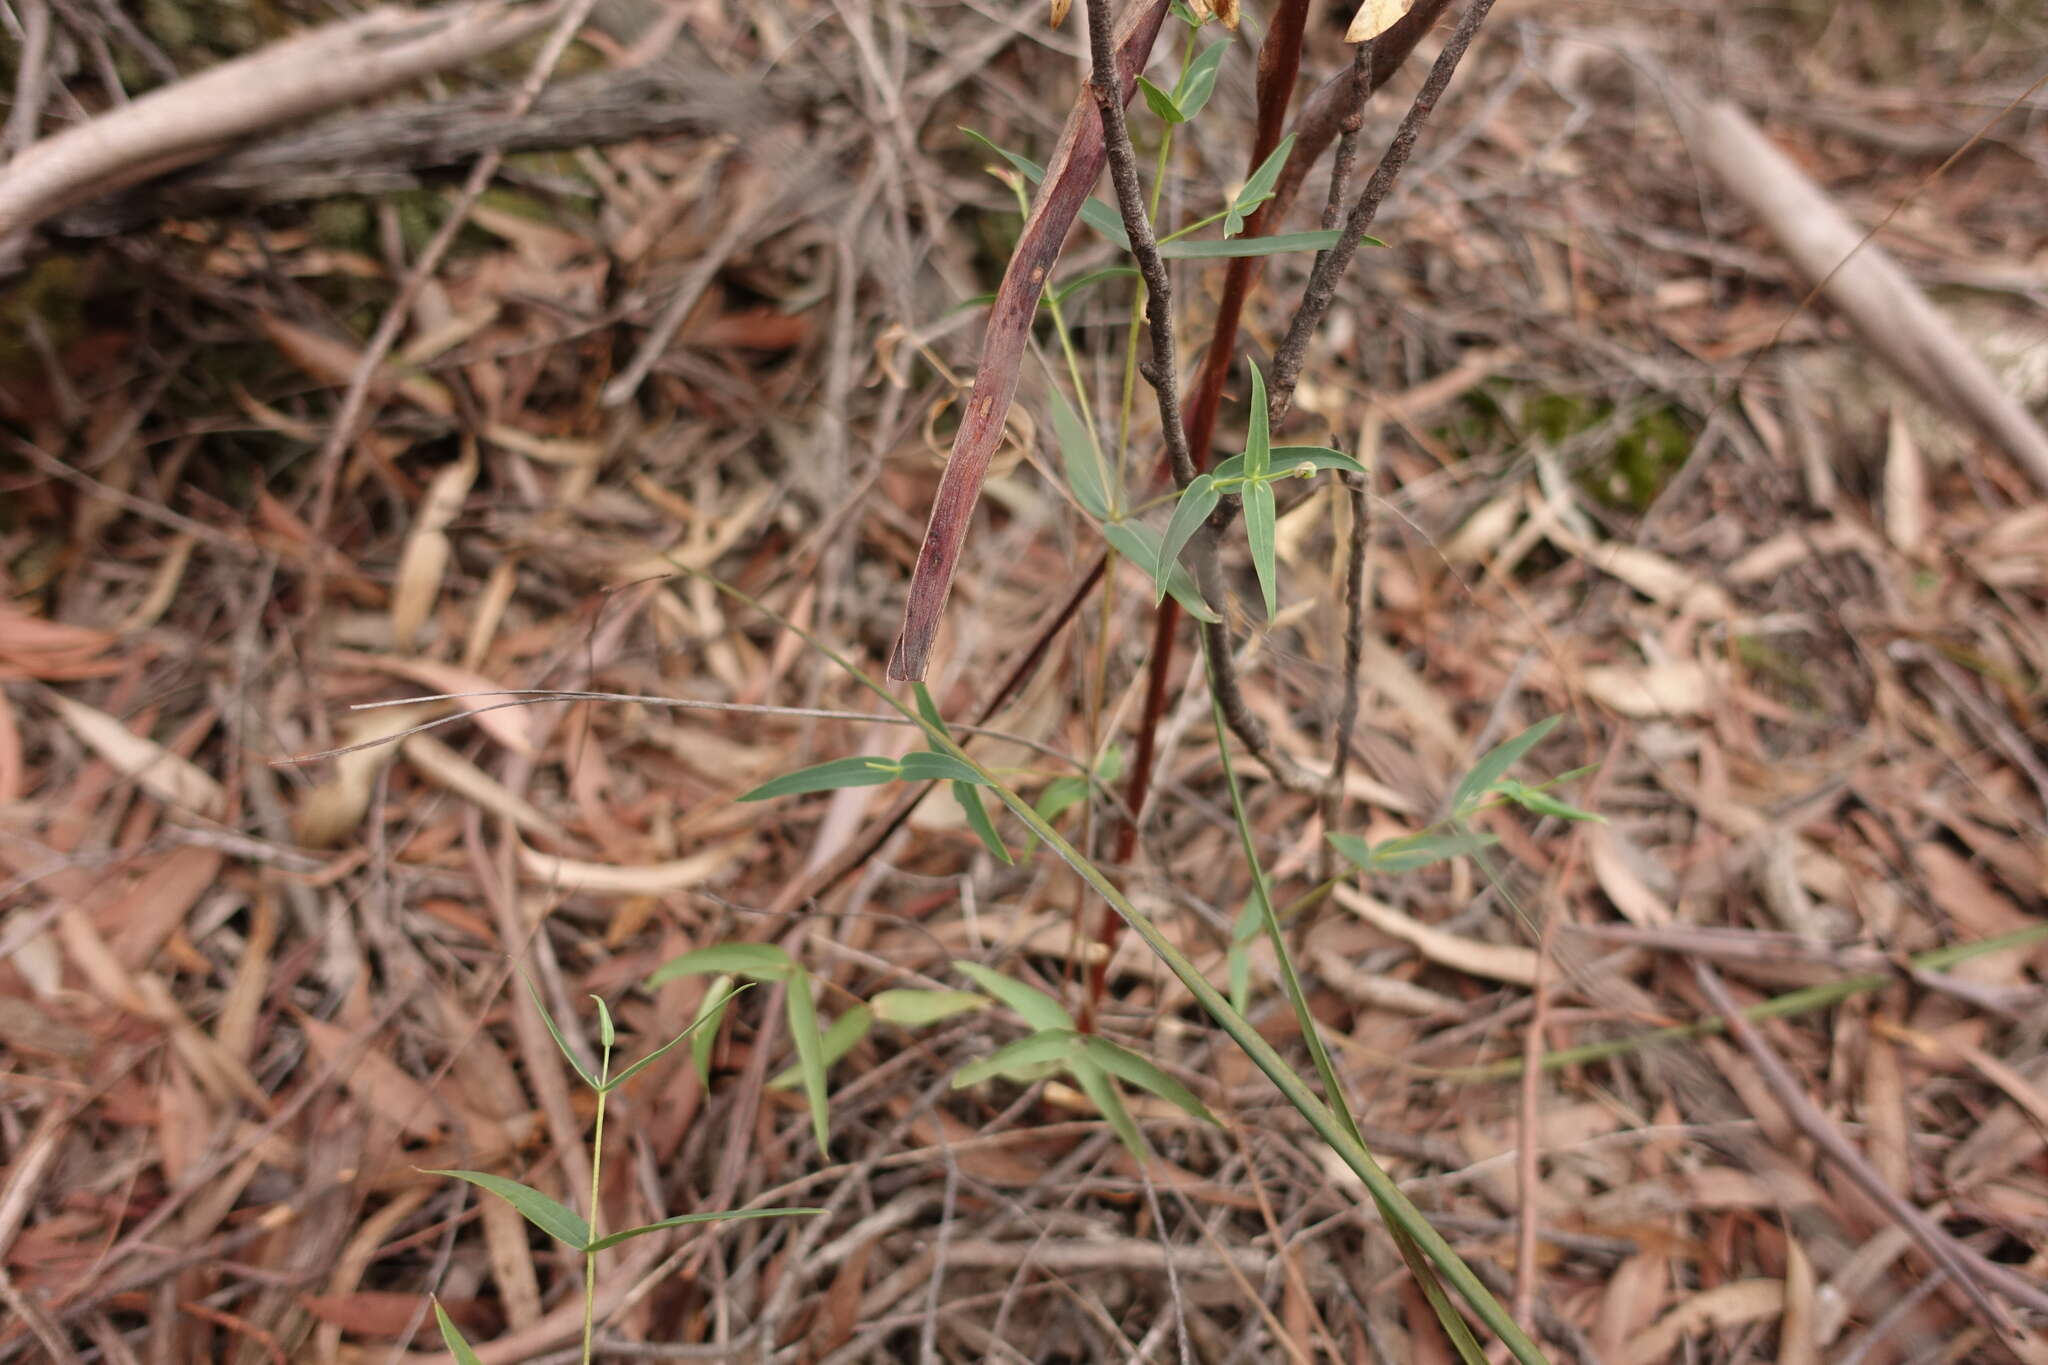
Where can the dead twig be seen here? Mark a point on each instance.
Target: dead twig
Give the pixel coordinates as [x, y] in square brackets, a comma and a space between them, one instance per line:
[294, 79]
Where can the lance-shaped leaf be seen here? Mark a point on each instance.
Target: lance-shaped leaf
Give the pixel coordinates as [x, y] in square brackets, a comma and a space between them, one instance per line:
[862, 770]
[810, 1053]
[1197, 249]
[841, 1037]
[1258, 188]
[1198, 81]
[1032, 1005]
[708, 1011]
[1410, 851]
[1261, 523]
[1023, 1057]
[935, 767]
[1094, 212]
[1128, 1066]
[919, 1009]
[1288, 460]
[582, 1071]
[1490, 768]
[1197, 501]
[761, 961]
[684, 1220]
[1072, 173]
[1077, 453]
[978, 821]
[1160, 102]
[554, 1218]
[1258, 437]
[1139, 543]
[451, 1337]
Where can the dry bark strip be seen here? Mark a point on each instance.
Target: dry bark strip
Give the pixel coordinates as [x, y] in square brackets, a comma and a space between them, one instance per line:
[1069, 177]
[194, 118]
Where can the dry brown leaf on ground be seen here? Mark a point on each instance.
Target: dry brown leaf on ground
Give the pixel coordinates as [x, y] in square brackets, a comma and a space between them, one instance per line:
[337, 804]
[177, 782]
[32, 646]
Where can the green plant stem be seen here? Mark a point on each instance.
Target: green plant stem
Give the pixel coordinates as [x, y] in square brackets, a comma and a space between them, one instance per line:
[596, 1168]
[1394, 1205]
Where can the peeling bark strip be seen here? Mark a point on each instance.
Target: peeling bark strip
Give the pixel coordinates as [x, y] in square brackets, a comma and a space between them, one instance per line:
[1069, 177]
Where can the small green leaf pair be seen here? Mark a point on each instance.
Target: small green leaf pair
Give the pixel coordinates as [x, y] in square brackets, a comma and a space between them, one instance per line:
[765, 962]
[1055, 1045]
[566, 1226]
[1197, 82]
[1251, 476]
[869, 770]
[1484, 785]
[1175, 247]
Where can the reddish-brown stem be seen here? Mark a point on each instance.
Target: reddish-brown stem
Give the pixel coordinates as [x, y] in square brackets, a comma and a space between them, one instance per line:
[1069, 177]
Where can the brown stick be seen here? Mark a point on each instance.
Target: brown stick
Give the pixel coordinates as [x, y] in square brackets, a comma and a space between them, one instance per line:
[1068, 178]
[186, 121]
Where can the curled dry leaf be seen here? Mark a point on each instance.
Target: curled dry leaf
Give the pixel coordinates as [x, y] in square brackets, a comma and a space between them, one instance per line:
[170, 779]
[449, 769]
[1675, 687]
[330, 810]
[1495, 961]
[650, 879]
[1375, 17]
[427, 549]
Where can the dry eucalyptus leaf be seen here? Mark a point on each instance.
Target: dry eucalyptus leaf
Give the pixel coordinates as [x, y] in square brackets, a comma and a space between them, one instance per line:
[427, 549]
[1676, 687]
[1375, 17]
[330, 810]
[170, 779]
[651, 879]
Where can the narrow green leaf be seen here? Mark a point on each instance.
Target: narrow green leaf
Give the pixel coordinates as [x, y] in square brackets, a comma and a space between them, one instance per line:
[1261, 524]
[1198, 81]
[1279, 243]
[1160, 102]
[582, 1071]
[978, 821]
[1061, 795]
[1258, 437]
[1540, 802]
[1495, 763]
[1094, 212]
[862, 770]
[721, 991]
[929, 709]
[841, 1037]
[451, 1337]
[1080, 282]
[704, 1028]
[1101, 1090]
[1288, 461]
[810, 1054]
[1139, 543]
[1182, 11]
[935, 767]
[1410, 851]
[557, 1220]
[1077, 453]
[1030, 1004]
[921, 1009]
[1053, 1046]
[1197, 501]
[1142, 1072]
[607, 1032]
[762, 961]
[1259, 187]
[684, 1220]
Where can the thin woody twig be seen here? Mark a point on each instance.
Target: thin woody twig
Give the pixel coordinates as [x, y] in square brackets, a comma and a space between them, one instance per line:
[1971, 1271]
[1331, 264]
[190, 119]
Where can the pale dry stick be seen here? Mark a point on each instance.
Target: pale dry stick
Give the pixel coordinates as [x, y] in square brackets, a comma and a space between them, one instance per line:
[31, 77]
[355, 400]
[189, 120]
[1971, 1271]
[1860, 278]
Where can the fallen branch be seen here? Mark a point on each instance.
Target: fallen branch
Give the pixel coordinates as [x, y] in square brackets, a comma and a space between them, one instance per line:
[1861, 280]
[294, 79]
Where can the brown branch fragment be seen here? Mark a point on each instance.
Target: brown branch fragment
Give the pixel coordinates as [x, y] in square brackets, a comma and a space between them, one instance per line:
[294, 79]
[1069, 176]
